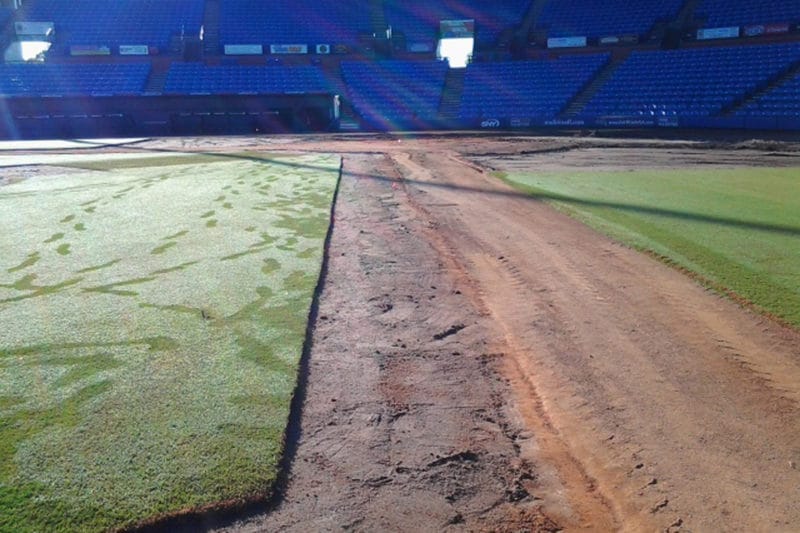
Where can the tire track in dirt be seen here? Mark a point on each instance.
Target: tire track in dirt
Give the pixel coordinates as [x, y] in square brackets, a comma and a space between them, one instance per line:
[676, 402]
[570, 492]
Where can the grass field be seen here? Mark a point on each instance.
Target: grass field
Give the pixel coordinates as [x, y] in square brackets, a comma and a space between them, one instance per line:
[152, 316]
[737, 229]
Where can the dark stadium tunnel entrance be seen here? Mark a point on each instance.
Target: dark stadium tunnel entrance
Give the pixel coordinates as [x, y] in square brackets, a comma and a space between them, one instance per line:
[456, 42]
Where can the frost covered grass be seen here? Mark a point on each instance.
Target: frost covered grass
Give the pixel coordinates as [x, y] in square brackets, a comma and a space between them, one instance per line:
[152, 316]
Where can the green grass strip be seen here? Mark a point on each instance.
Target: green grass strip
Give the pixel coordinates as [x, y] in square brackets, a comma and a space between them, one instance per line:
[736, 229]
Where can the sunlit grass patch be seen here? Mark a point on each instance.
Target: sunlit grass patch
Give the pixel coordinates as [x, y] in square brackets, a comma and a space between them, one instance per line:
[737, 229]
[148, 358]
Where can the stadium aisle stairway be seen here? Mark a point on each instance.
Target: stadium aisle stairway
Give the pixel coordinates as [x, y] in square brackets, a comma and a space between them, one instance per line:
[395, 94]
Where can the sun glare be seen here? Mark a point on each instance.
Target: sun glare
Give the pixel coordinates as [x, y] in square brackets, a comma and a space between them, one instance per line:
[458, 51]
[31, 50]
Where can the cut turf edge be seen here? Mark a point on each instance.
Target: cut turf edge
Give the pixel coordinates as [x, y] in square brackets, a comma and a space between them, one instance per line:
[226, 511]
[704, 281]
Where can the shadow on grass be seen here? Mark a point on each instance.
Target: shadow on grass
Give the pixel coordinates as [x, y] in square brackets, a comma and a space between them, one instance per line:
[530, 195]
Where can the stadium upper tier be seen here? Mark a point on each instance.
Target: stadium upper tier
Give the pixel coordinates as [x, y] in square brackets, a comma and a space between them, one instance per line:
[598, 18]
[526, 88]
[721, 13]
[395, 94]
[197, 78]
[419, 21]
[691, 82]
[293, 21]
[73, 80]
[126, 22]
[310, 22]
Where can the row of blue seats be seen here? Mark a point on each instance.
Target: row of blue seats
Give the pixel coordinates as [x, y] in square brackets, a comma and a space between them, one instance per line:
[765, 106]
[419, 21]
[781, 100]
[677, 98]
[654, 103]
[37, 79]
[293, 21]
[152, 22]
[391, 94]
[723, 13]
[184, 78]
[5, 15]
[520, 87]
[772, 114]
[732, 54]
[697, 72]
[597, 18]
[679, 78]
[704, 84]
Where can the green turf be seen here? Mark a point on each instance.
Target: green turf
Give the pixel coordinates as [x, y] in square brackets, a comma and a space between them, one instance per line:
[737, 229]
[148, 357]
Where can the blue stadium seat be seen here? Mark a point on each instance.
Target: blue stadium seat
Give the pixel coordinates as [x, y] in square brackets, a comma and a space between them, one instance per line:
[5, 16]
[419, 21]
[293, 21]
[783, 100]
[723, 13]
[395, 94]
[197, 78]
[525, 89]
[138, 22]
[598, 18]
[24, 79]
[690, 82]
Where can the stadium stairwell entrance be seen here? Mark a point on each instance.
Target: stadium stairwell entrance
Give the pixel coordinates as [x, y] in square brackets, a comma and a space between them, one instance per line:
[456, 42]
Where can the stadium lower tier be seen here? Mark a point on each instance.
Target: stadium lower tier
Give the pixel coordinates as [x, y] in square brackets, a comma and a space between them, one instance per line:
[752, 86]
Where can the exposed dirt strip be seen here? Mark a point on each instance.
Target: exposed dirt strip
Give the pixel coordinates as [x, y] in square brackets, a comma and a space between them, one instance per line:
[405, 424]
[679, 404]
